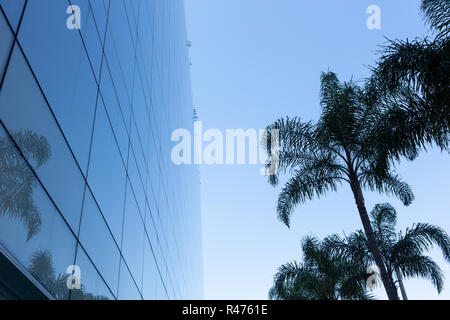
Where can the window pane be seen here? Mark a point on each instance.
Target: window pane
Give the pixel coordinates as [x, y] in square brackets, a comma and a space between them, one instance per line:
[13, 10]
[133, 237]
[127, 288]
[28, 115]
[107, 176]
[98, 242]
[153, 288]
[135, 178]
[110, 99]
[91, 26]
[100, 9]
[6, 39]
[92, 285]
[119, 51]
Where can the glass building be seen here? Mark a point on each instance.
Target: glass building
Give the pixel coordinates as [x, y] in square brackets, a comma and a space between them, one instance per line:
[91, 206]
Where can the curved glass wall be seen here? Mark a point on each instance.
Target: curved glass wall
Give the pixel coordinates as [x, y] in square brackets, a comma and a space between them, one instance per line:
[87, 108]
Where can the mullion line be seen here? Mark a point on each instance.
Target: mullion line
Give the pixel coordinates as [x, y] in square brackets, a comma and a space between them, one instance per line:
[127, 167]
[14, 33]
[92, 132]
[95, 112]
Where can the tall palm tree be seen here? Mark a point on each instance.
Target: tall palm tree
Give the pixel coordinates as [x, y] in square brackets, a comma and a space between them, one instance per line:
[17, 180]
[402, 252]
[421, 70]
[320, 276]
[342, 147]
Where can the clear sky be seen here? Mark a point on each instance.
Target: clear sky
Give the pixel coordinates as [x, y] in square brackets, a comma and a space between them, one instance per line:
[254, 61]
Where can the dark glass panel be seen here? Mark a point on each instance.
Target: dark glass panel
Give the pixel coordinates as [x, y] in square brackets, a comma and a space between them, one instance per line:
[133, 236]
[62, 67]
[31, 228]
[127, 287]
[13, 10]
[6, 39]
[107, 173]
[97, 239]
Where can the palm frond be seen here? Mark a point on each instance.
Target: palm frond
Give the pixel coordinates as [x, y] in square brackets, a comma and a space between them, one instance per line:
[383, 218]
[308, 182]
[390, 183]
[34, 146]
[413, 76]
[421, 267]
[17, 179]
[294, 138]
[437, 14]
[421, 238]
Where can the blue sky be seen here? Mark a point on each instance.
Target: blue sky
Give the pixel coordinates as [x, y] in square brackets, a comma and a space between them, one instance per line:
[254, 61]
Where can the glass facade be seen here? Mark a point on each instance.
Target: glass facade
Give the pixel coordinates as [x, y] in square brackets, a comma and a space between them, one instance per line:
[86, 180]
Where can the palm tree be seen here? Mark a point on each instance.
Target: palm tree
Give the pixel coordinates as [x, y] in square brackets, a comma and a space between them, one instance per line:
[41, 267]
[402, 252]
[321, 276]
[17, 180]
[421, 70]
[342, 147]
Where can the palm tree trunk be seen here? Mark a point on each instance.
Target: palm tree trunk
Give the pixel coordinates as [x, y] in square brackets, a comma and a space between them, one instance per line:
[373, 246]
[391, 278]
[400, 283]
